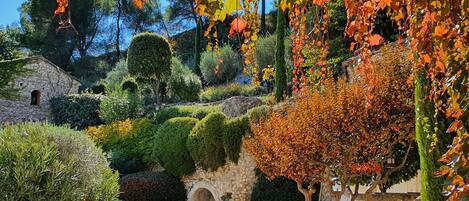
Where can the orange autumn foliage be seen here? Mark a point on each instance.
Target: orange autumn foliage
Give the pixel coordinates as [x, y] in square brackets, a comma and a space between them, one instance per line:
[346, 129]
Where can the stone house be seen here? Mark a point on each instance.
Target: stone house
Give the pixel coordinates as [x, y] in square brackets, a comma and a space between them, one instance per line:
[46, 80]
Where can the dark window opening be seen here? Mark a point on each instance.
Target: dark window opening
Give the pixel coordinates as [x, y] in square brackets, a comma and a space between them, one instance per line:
[35, 97]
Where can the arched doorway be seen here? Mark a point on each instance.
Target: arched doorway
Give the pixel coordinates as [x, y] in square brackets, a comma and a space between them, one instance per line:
[35, 97]
[202, 194]
[203, 191]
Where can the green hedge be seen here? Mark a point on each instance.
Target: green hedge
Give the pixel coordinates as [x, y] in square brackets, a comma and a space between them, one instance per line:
[198, 112]
[43, 162]
[233, 133]
[205, 142]
[170, 146]
[227, 91]
[152, 186]
[78, 111]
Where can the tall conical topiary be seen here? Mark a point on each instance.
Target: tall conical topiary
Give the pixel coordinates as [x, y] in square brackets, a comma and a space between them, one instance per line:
[432, 186]
[280, 65]
[198, 48]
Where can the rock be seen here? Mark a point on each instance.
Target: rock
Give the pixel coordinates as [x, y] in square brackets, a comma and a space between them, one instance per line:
[239, 105]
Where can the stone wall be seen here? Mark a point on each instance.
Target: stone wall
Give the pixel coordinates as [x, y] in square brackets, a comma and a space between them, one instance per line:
[46, 78]
[231, 180]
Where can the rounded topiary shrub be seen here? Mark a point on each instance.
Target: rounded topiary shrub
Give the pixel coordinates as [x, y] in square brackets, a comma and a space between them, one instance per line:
[205, 142]
[152, 186]
[222, 68]
[44, 162]
[233, 133]
[77, 111]
[130, 86]
[125, 163]
[149, 59]
[170, 147]
[183, 84]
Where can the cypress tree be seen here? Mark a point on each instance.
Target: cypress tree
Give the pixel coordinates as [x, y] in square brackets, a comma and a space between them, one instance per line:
[280, 65]
[425, 132]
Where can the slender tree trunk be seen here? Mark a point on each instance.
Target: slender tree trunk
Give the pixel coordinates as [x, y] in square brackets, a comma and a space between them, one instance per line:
[424, 129]
[263, 26]
[280, 69]
[307, 192]
[118, 30]
[197, 47]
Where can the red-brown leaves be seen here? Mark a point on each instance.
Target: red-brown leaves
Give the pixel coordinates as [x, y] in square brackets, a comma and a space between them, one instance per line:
[375, 40]
[237, 26]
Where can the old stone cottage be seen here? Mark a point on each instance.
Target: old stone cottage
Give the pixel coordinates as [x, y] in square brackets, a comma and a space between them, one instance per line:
[45, 81]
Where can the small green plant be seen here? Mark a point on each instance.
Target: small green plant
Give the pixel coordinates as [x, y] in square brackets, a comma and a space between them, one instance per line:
[120, 105]
[170, 147]
[44, 162]
[221, 68]
[205, 142]
[223, 92]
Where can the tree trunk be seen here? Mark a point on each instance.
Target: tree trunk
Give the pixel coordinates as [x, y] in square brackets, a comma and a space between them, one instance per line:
[156, 91]
[280, 71]
[263, 26]
[307, 192]
[424, 129]
[118, 30]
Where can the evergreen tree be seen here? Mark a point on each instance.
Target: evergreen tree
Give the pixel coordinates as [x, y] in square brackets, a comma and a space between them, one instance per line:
[280, 64]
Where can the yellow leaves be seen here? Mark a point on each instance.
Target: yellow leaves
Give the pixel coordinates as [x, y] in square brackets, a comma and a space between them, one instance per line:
[140, 4]
[232, 6]
[220, 15]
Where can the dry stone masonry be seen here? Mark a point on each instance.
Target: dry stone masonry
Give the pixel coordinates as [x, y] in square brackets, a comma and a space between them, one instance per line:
[46, 81]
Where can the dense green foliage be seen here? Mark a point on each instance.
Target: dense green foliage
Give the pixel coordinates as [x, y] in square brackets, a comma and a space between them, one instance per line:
[78, 111]
[11, 70]
[62, 164]
[130, 86]
[233, 133]
[116, 76]
[132, 138]
[258, 113]
[279, 189]
[183, 85]
[198, 48]
[120, 105]
[170, 146]
[280, 87]
[431, 186]
[265, 51]
[152, 186]
[125, 163]
[149, 60]
[222, 67]
[10, 43]
[223, 92]
[198, 112]
[205, 142]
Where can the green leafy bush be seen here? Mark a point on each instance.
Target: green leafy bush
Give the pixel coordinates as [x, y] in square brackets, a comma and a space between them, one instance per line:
[126, 164]
[78, 111]
[170, 148]
[117, 75]
[222, 68]
[279, 189]
[152, 186]
[205, 142]
[258, 113]
[149, 60]
[183, 84]
[227, 91]
[130, 85]
[120, 105]
[198, 112]
[265, 52]
[233, 133]
[130, 137]
[43, 162]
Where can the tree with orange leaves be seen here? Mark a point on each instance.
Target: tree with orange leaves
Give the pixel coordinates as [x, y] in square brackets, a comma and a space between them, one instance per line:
[345, 130]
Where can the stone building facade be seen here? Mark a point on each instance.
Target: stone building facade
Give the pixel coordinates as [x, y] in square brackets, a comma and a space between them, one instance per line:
[45, 81]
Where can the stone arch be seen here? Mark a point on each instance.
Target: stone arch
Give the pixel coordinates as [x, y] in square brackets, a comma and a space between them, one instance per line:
[203, 191]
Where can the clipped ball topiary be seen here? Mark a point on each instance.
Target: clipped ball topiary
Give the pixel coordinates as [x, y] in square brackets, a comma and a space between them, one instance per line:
[170, 147]
[205, 142]
[149, 58]
[233, 133]
[152, 186]
[222, 68]
[44, 162]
